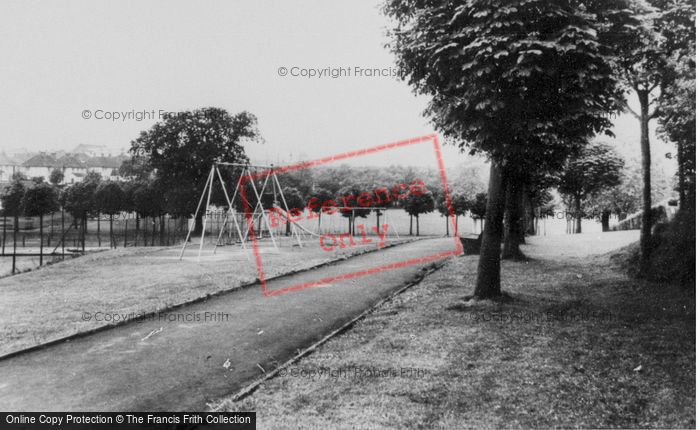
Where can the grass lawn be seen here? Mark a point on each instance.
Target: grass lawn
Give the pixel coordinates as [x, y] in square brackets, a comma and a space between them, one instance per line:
[53, 301]
[578, 345]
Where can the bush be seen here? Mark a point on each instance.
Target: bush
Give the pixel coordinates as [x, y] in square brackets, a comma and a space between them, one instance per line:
[673, 254]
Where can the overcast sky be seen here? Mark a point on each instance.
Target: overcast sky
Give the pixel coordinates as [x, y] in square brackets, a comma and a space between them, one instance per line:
[61, 58]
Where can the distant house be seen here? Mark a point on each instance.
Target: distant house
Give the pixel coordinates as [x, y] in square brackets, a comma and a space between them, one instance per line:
[39, 165]
[73, 165]
[106, 166]
[74, 169]
[8, 166]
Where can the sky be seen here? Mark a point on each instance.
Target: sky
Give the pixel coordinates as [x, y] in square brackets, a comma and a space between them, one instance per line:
[66, 66]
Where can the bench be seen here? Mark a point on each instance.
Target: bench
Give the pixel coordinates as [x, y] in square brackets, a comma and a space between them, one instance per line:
[471, 243]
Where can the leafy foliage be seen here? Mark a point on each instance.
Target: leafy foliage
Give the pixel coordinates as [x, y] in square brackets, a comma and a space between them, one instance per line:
[11, 198]
[422, 203]
[183, 147]
[110, 198]
[147, 199]
[477, 206]
[594, 169]
[39, 200]
[56, 176]
[516, 79]
[79, 198]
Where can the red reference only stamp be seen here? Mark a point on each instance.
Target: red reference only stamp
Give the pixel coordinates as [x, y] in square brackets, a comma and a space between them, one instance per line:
[379, 198]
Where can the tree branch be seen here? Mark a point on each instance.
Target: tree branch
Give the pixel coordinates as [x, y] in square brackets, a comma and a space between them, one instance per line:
[630, 110]
[655, 113]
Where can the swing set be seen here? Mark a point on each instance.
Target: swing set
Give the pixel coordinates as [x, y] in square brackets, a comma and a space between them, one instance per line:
[255, 213]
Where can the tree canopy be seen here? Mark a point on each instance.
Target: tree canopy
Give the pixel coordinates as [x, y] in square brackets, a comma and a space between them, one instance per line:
[11, 198]
[39, 200]
[110, 197]
[182, 148]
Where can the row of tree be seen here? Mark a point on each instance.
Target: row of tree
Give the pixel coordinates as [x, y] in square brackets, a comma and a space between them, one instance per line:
[147, 197]
[531, 83]
[90, 197]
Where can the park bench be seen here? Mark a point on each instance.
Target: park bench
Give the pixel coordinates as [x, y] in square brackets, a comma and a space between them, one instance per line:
[471, 243]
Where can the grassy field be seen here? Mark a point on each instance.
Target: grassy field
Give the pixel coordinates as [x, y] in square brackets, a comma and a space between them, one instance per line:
[577, 345]
[110, 286]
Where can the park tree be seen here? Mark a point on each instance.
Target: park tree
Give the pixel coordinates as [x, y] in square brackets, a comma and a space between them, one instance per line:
[522, 81]
[79, 201]
[294, 201]
[111, 200]
[477, 207]
[514, 233]
[183, 147]
[302, 180]
[417, 204]
[148, 202]
[677, 104]
[678, 126]
[39, 200]
[644, 59]
[11, 198]
[136, 167]
[459, 208]
[353, 210]
[317, 196]
[56, 176]
[596, 168]
[129, 189]
[620, 200]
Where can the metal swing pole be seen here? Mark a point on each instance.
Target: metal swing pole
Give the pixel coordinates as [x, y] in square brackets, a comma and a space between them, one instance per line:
[294, 228]
[206, 213]
[189, 230]
[262, 210]
[230, 209]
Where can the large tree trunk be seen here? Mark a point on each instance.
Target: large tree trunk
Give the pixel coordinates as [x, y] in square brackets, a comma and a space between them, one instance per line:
[488, 278]
[681, 178]
[530, 218]
[99, 239]
[63, 233]
[111, 231]
[605, 219]
[511, 240]
[4, 232]
[138, 227]
[577, 217]
[153, 231]
[85, 224]
[522, 215]
[41, 240]
[417, 226]
[50, 231]
[14, 243]
[145, 231]
[645, 233]
[447, 225]
[410, 225]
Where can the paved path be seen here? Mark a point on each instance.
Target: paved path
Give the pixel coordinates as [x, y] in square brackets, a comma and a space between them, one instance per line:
[182, 365]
